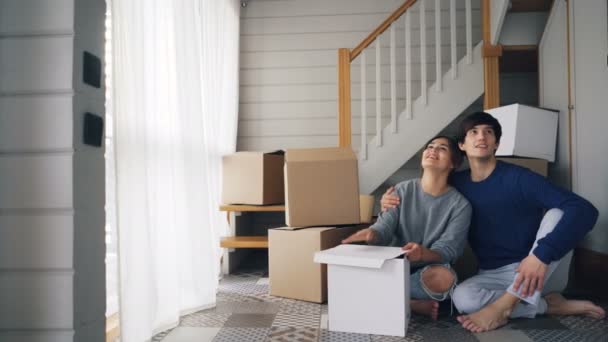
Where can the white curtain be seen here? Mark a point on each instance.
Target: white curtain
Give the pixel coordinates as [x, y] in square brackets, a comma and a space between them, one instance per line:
[175, 82]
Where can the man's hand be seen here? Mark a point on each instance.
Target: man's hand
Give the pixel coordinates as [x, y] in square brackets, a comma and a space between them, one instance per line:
[389, 199]
[531, 275]
[413, 251]
[367, 235]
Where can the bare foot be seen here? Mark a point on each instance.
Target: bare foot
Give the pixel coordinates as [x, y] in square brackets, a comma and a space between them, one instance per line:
[492, 316]
[558, 305]
[425, 307]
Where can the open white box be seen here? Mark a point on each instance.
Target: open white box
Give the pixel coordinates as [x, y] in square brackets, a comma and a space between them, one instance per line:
[368, 289]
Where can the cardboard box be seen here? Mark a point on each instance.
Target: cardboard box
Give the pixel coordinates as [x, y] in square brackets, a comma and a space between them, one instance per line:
[253, 178]
[292, 271]
[527, 131]
[539, 166]
[368, 289]
[321, 187]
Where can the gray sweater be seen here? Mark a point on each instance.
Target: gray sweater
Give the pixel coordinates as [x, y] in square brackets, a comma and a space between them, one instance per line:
[439, 223]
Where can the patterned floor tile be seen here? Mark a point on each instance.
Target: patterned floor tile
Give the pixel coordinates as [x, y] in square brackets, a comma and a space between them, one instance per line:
[583, 323]
[265, 297]
[566, 336]
[447, 335]
[336, 336]
[229, 296]
[503, 335]
[244, 288]
[289, 334]
[298, 306]
[249, 274]
[296, 319]
[538, 323]
[207, 318]
[246, 308]
[191, 334]
[250, 321]
[382, 338]
[241, 334]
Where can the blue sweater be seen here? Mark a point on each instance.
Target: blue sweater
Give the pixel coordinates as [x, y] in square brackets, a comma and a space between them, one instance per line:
[508, 207]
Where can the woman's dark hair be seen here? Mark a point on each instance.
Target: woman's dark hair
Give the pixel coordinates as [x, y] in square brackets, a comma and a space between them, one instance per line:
[479, 118]
[456, 155]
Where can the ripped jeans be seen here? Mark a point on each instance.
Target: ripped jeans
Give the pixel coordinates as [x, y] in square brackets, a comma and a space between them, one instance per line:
[418, 290]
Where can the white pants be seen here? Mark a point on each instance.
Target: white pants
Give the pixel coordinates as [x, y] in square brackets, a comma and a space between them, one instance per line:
[489, 285]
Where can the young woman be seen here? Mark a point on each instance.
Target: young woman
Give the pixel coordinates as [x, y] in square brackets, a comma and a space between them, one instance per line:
[430, 222]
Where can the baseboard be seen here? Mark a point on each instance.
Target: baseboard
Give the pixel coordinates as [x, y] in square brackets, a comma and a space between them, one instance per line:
[590, 272]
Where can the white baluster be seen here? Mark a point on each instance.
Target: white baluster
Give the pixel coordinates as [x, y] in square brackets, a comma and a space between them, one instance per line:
[453, 37]
[393, 82]
[363, 107]
[408, 66]
[469, 33]
[423, 52]
[378, 96]
[438, 72]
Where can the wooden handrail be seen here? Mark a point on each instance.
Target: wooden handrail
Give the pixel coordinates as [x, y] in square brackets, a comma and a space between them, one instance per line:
[344, 114]
[345, 57]
[380, 29]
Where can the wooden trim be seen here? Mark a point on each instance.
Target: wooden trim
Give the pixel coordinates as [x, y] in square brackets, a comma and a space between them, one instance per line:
[491, 83]
[485, 21]
[568, 62]
[244, 242]
[519, 47]
[492, 50]
[112, 327]
[344, 114]
[243, 208]
[491, 70]
[380, 29]
[589, 273]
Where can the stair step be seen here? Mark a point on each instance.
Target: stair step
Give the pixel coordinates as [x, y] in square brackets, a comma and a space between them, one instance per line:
[244, 242]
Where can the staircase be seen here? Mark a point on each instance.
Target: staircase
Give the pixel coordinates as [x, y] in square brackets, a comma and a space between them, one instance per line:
[409, 103]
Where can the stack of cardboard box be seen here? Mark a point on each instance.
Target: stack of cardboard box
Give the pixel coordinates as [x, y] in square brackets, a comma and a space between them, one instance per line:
[529, 136]
[322, 207]
[321, 195]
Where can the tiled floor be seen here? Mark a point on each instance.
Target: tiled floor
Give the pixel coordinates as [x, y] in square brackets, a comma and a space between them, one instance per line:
[245, 312]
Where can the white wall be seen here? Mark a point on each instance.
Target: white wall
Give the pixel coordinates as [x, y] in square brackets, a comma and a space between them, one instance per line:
[288, 74]
[523, 28]
[589, 48]
[591, 103]
[51, 187]
[553, 87]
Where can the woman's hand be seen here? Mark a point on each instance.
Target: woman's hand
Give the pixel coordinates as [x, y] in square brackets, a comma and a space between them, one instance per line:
[389, 199]
[366, 235]
[413, 251]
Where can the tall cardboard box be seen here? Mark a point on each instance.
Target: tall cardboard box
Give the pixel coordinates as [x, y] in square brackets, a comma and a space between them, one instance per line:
[321, 187]
[253, 178]
[292, 271]
[526, 131]
[368, 289]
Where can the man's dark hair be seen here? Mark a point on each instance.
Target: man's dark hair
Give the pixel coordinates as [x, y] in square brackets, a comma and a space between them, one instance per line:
[456, 155]
[479, 118]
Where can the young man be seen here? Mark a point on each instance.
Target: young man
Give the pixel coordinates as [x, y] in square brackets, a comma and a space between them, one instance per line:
[431, 226]
[517, 247]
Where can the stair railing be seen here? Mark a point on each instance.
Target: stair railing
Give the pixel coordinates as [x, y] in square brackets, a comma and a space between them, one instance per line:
[347, 56]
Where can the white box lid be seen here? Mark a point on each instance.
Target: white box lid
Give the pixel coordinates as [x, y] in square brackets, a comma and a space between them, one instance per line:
[358, 255]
